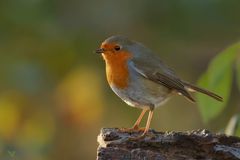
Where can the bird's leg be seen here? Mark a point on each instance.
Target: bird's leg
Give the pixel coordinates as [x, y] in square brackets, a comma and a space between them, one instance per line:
[136, 124]
[146, 128]
[150, 115]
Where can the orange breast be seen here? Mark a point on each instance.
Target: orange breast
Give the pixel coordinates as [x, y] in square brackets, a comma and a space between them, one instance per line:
[116, 68]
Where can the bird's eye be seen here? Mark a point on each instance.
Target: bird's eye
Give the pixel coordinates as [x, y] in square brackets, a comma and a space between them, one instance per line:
[117, 48]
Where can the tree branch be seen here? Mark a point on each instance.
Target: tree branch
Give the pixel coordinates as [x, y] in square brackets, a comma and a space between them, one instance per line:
[201, 144]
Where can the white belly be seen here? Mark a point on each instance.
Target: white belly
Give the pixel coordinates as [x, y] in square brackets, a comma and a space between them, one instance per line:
[151, 95]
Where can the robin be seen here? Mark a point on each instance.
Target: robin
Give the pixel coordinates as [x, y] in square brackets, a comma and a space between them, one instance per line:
[141, 79]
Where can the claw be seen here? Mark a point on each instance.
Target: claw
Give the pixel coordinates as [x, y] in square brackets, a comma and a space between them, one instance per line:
[128, 129]
[133, 129]
[142, 129]
[149, 135]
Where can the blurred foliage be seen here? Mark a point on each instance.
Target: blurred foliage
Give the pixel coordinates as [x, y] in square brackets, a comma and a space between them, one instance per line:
[80, 104]
[218, 78]
[238, 70]
[233, 127]
[53, 94]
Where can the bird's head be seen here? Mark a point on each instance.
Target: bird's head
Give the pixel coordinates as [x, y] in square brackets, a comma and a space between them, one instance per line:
[116, 48]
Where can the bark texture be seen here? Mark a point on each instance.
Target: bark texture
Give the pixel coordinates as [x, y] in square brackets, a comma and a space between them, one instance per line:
[115, 144]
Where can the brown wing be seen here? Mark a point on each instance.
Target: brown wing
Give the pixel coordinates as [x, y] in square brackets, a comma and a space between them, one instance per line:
[162, 75]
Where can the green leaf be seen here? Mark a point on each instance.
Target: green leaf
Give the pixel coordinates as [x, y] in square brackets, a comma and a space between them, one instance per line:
[218, 79]
[237, 130]
[210, 108]
[233, 127]
[238, 72]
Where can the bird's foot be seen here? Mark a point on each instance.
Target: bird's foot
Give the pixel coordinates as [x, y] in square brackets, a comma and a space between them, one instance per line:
[133, 129]
[147, 134]
[128, 129]
[142, 129]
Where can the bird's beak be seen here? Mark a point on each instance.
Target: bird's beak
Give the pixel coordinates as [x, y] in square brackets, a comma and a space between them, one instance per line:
[100, 50]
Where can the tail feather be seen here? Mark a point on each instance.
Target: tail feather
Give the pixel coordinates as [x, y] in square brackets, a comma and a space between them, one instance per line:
[187, 95]
[192, 87]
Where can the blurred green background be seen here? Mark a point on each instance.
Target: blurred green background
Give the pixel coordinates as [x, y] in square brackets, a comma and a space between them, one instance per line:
[54, 97]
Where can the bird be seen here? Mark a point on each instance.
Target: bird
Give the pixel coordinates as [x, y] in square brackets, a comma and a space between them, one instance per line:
[141, 79]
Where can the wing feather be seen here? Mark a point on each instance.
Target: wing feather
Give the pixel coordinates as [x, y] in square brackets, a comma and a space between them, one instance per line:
[162, 75]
